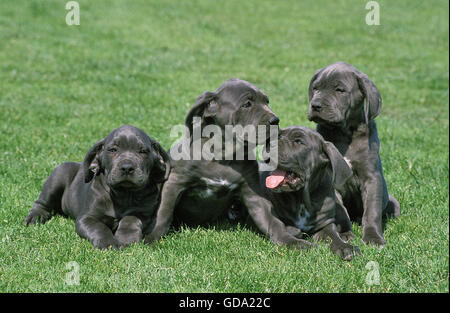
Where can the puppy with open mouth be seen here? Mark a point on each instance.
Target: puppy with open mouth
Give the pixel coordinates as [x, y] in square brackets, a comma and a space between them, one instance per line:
[113, 194]
[302, 188]
[201, 191]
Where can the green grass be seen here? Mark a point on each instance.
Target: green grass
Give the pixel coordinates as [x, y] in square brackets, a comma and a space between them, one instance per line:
[144, 62]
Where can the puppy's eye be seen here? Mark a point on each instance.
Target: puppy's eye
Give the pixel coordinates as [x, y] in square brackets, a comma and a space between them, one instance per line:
[298, 141]
[112, 150]
[247, 104]
[339, 89]
[143, 151]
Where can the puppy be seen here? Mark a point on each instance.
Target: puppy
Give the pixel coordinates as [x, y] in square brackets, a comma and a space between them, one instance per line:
[203, 190]
[344, 103]
[302, 188]
[113, 194]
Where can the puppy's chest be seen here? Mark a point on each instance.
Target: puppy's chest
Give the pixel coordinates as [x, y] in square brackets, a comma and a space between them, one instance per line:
[125, 205]
[303, 218]
[211, 187]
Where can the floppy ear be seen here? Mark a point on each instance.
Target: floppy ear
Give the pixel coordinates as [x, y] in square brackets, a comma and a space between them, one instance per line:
[91, 164]
[341, 172]
[310, 90]
[372, 95]
[204, 106]
[162, 163]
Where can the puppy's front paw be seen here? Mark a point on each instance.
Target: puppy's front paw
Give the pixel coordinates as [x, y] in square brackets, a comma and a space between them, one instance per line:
[127, 238]
[371, 236]
[304, 245]
[105, 243]
[347, 236]
[345, 250]
[129, 231]
[37, 215]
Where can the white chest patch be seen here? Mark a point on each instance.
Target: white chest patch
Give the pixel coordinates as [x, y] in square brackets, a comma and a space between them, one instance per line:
[348, 162]
[303, 219]
[217, 183]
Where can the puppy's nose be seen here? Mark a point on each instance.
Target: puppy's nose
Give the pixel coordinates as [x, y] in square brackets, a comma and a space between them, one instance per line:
[316, 106]
[127, 168]
[274, 121]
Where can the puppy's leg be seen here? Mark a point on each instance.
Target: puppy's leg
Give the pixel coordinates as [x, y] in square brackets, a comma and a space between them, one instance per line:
[49, 200]
[342, 220]
[344, 250]
[259, 209]
[372, 196]
[294, 231]
[171, 190]
[129, 230]
[96, 232]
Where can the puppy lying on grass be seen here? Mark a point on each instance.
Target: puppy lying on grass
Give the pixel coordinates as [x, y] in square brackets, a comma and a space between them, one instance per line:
[113, 194]
[302, 189]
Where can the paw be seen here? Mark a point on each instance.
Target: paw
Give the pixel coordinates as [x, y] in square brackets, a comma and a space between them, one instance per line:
[303, 245]
[127, 238]
[345, 251]
[372, 237]
[37, 215]
[321, 236]
[129, 231]
[294, 231]
[392, 208]
[150, 240]
[347, 236]
[105, 243]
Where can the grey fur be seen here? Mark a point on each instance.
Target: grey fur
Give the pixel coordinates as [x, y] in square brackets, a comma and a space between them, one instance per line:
[344, 103]
[113, 194]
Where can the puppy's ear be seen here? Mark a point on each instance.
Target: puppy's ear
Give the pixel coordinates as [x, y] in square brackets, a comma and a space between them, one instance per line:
[92, 164]
[162, 163]
[205, 106]
[341, 172]
[313, 79]
[372, 95]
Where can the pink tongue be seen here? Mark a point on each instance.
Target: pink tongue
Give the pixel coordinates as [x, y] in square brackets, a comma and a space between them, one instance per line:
[275, 178]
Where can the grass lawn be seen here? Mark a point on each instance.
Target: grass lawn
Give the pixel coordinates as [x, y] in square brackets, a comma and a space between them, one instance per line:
[139, 62]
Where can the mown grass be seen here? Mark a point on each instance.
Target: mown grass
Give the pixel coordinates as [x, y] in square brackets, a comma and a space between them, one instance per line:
[144, 63]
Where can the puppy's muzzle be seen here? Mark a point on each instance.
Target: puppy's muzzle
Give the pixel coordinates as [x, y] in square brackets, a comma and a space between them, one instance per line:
[316, 106]
[127, 168]
[274, 120]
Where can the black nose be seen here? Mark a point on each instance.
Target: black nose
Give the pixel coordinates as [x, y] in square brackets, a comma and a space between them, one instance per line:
[316, 106]
[274, 121]
[127, 168]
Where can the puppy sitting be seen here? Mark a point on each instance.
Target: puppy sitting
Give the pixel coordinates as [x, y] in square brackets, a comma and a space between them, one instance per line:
[302, 188]
[113, 194]
[344, 103]
[199, 191]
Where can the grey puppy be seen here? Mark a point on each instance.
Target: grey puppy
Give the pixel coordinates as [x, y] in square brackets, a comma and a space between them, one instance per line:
[302, 188]
[113, 194]
[201, 191]
[344, 103]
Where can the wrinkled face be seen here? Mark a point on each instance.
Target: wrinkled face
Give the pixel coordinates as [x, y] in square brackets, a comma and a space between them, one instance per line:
[247, 104]
[299, 154]
[127, 158]
[334, 95]
[241, 103]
